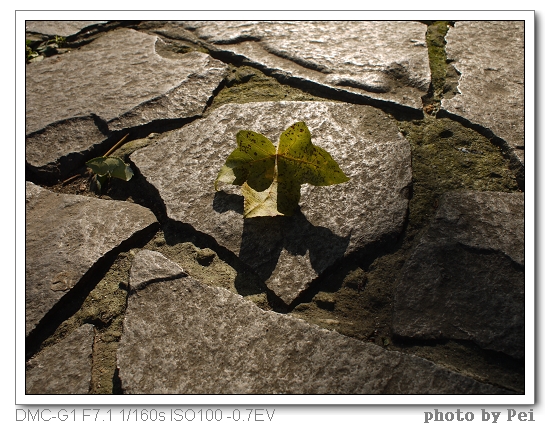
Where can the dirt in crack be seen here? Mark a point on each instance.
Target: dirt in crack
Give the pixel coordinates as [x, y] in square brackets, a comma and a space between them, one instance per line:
[444, 77]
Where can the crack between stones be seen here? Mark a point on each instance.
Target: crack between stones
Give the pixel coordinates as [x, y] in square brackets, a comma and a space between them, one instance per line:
[72, 301]
[404, 345]
[515, 165]
[311, 87]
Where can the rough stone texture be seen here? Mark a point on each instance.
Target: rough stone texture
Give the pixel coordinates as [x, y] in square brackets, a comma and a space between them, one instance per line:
[118, 81]
[333, 221]
[183, 337]
[62, 28]
[465, 280]
[151, 266]
[65, 236]
[383, 60]
[490, 59]
[65, 368]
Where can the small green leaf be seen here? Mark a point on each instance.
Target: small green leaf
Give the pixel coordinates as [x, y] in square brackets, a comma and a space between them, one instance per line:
[98, 166]
[253, 162]
[110, 166]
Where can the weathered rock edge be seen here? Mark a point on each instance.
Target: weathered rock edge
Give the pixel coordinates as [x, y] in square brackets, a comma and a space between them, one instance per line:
[332, 221]
[66, 235]
[378, 61]
[492, 81]
[183, 337]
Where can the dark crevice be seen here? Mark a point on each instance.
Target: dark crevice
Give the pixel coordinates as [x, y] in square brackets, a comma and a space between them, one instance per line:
[240, 39]
[117, 383]
[497, 360]
[157, 280]
[515, 165]
[72, 301]
[74, 163]
[176, 232]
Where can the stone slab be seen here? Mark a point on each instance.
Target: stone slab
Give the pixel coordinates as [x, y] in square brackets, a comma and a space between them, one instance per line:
[333, 221]
[118, 81]
[380, 59]
[61, 28]
[489, 55]
[465, 280]
[183, 337]
[65, 236]
[65, 368]
[150, 267]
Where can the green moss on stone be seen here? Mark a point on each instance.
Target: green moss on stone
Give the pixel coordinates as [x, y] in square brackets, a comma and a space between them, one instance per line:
[246, 84]
[447, 156]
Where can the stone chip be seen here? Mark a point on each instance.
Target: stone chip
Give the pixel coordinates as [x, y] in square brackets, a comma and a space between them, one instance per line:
[489, 55]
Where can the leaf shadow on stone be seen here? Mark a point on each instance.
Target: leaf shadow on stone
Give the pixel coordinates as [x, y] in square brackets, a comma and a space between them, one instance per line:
[224, 202]
[264, 238]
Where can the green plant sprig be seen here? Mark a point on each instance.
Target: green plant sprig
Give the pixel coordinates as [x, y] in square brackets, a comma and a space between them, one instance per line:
[106, 167]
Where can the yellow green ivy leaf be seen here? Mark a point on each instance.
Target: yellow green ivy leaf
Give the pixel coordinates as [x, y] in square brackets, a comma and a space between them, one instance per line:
[271, 176]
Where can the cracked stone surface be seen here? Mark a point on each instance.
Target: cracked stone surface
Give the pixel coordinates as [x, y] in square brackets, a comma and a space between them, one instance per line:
[150, 267]
[183, 337]
[466, 279]
[334, 221]
[382, 60]
[62, 28]
[490, 58]
[65, 236]
[74, 100]
[65, 368]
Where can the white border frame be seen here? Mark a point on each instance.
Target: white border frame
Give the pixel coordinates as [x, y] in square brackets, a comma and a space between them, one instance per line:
[150, 400]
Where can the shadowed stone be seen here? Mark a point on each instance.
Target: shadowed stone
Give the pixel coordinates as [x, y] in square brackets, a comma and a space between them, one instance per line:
[74, 101]
[62, 28]
[333, 221]
[465, 279]
[382, 60]
[183, 337]
[150, 267]
[65, 236]
[490, 58]
[65, 368]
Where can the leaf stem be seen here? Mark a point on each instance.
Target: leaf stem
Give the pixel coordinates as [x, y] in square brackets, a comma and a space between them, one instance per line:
[115, 147]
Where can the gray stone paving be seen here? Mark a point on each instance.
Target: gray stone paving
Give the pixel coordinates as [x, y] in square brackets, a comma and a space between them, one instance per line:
[116, 82]
[65, 236]
[488, 56]
[210, 341]
[463, 281]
